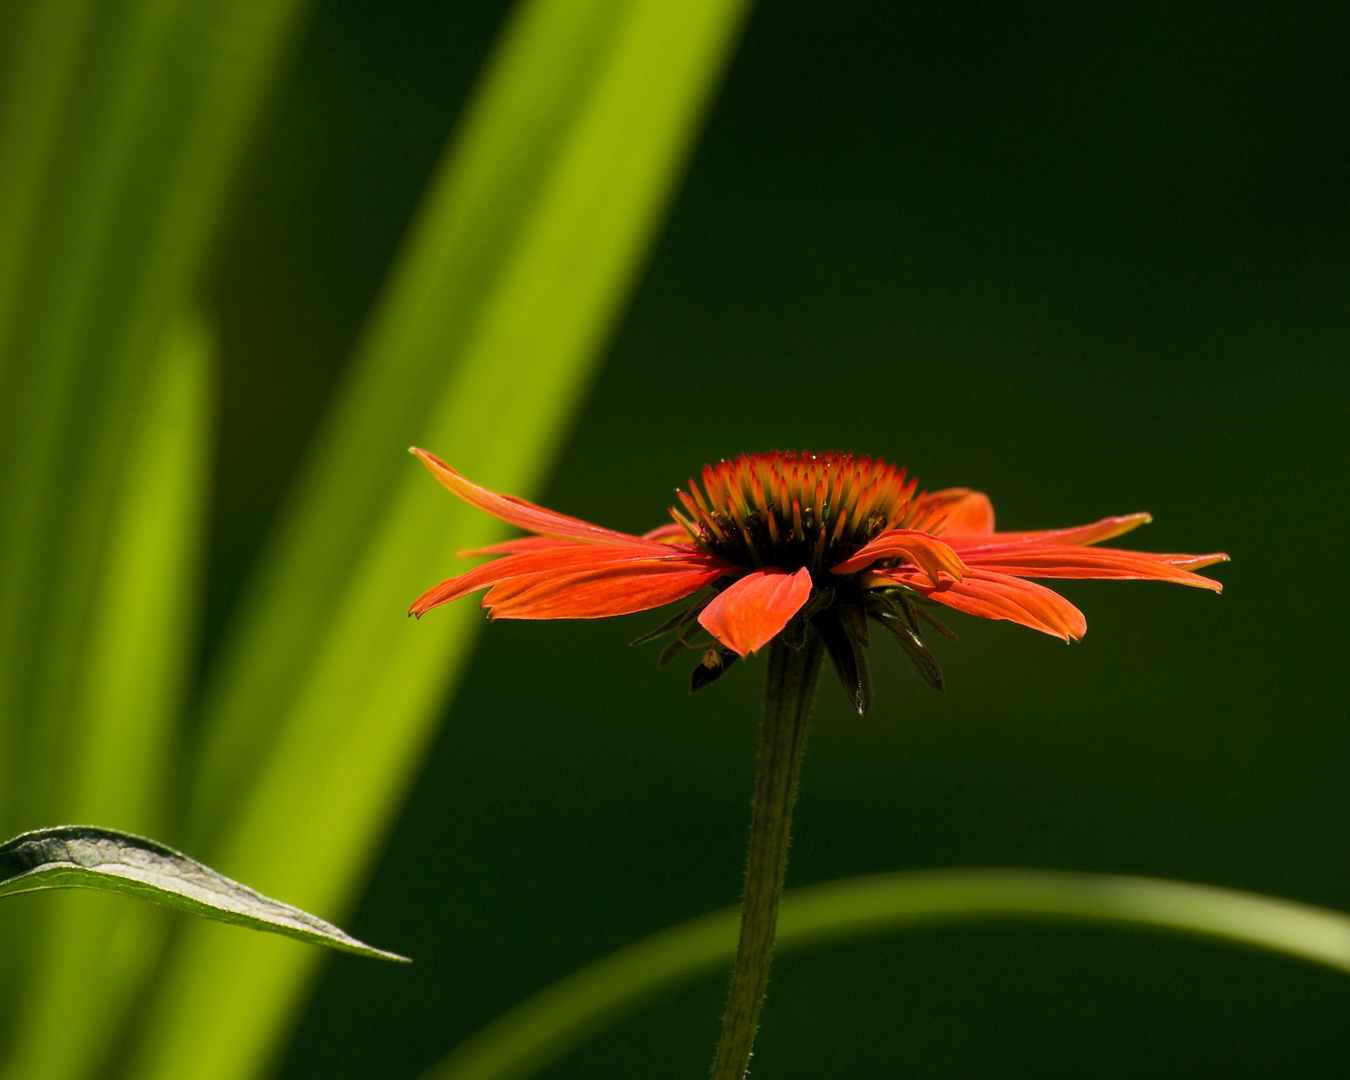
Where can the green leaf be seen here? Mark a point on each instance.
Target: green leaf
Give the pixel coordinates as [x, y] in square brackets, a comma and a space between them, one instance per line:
[86, 857]
[533, 232]
[544, 1028]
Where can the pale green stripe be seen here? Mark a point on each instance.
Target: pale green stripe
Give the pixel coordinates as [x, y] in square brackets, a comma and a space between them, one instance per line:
[535, 228]
[110, 230]
[547, 1026]
[121, 125]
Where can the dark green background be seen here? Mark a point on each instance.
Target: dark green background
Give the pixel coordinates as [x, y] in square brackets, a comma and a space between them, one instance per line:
[1091, 259]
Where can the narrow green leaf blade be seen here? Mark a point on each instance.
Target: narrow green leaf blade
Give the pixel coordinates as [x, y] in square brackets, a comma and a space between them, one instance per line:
[122, 123]
[544, 1028]
[532, 235]
[121, 126]
[85, 857]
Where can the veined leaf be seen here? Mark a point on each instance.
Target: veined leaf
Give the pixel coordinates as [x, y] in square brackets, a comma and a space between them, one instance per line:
[529, 241]
[85, 857]
[542, 1029]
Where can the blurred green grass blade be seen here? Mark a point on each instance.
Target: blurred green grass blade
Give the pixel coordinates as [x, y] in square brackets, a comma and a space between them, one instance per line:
[123, 728]
[522, 254]
[40, 42]
[527, 246]
[124, 121]
[121, 126]
[544, 1028]
[87, 857]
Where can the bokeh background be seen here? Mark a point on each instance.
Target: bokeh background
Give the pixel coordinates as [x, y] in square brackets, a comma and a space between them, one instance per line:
[1089, 259]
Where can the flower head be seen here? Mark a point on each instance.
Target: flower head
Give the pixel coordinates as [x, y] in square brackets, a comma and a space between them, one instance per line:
[797, 543]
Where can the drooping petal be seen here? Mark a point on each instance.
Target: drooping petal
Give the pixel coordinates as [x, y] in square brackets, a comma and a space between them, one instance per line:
[925, 551]
[1106, 529]
[1057, 561]
[564, 562]
[959, 512]
[616, 589]
[992, 595]
[522, 514]
[519, 546]
[747, 614]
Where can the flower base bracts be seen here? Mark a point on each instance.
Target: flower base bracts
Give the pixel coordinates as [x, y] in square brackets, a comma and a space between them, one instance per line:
[838, 617]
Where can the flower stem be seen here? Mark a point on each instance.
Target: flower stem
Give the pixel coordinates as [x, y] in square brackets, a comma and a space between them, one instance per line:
[789, 689]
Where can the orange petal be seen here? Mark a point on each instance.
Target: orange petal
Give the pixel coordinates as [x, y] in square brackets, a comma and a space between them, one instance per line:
[963, 512]
[925, 551]
[746, 615]
[991, 595]
[564, 561]
[518, 512]
[1106, 529]
[554, 572]
[618, 589]
[519, 546]
[1090, 562]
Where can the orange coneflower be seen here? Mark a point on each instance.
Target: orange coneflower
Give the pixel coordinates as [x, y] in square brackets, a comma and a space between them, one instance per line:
[835, 539]
[800, 552]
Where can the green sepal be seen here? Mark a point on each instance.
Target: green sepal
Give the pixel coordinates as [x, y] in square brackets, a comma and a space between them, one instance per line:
[677, 622]
[849, 656]
[925, 663]
[853, 617]
[914, 607]
[670, 652]
[665, 628]
[710, 668]
[794, 633]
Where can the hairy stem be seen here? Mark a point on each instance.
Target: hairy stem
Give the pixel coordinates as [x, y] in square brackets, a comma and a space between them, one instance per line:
[789, 689]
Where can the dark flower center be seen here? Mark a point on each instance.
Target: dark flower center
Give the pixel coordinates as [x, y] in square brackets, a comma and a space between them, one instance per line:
[796, 509]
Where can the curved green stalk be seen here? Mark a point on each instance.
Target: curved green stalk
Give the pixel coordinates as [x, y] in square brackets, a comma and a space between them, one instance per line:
[544, 1028]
